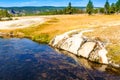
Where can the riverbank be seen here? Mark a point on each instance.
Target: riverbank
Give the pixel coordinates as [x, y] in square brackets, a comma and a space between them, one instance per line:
[106, 28]
[23, 58]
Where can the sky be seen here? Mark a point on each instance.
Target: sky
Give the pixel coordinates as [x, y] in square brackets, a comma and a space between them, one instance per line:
[18, 3]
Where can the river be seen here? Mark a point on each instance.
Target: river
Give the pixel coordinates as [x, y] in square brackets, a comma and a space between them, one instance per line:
[23, 59]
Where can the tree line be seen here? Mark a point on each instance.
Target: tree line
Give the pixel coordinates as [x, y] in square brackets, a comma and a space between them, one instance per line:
[107, 9]
[90, 9]
[67, 10]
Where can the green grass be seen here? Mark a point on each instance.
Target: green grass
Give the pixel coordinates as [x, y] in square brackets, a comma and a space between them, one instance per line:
[42, 38]
[35, 32]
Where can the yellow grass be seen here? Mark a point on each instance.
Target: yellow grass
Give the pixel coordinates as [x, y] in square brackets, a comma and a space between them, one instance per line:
[62, 23]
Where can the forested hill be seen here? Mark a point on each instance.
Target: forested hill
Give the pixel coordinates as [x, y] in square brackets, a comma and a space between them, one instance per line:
[33, 9]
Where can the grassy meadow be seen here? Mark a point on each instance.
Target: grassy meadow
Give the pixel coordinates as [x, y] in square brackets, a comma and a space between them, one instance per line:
[106, 28]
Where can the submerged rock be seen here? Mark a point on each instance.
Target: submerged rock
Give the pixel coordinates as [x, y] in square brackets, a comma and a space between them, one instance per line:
[76, 43]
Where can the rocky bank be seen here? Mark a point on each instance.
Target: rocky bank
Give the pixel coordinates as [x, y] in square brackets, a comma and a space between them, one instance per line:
[75, 42]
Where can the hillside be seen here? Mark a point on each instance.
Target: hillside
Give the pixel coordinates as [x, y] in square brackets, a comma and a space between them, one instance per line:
[34, 10]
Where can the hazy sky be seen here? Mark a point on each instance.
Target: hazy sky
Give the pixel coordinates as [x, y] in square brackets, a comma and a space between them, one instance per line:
[6, 3]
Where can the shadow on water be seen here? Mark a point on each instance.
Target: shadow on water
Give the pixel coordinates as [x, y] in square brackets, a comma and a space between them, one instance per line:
[23, 59]
[94, 69]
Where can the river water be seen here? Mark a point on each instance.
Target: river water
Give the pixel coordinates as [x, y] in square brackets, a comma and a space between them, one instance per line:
[23, 59]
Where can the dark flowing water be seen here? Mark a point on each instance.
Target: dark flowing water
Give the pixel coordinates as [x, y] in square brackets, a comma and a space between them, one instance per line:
[23, 59]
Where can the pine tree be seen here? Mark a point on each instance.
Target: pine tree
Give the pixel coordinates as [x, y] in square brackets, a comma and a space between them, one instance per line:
[90, 7]
[118, 6]
[69, 5]
[101, 10]
[69, 8]
[112, 8]
[107, 7]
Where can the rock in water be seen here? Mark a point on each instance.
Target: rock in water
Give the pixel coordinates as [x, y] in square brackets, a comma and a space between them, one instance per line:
[76, 43]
